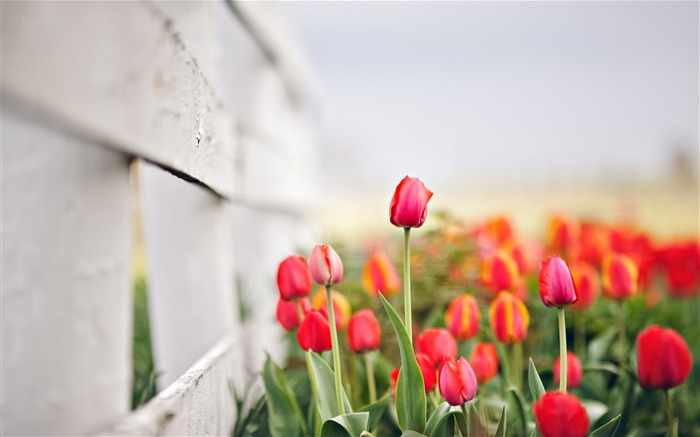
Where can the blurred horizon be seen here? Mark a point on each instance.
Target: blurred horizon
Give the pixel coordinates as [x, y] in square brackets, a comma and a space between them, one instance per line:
[508, 100]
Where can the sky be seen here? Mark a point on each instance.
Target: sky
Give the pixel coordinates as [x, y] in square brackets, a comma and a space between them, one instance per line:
[460, 93]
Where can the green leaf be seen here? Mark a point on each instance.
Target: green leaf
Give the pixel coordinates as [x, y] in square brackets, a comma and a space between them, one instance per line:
[411, 433]
[476, 426]
[602, 366]
[501, 430]
[351, 424]
[518, 404]
[410, 391]
[607, 430]
[376, 410]
[284, 415]
[535, 382]
[325, 383]
[439, 423]
[599, 347]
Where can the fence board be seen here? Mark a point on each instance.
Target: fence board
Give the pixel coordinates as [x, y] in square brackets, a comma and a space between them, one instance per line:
[66, 284]
[198, 403]
[119, 74]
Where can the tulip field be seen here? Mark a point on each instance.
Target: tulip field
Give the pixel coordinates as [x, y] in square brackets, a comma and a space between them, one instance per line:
[466, 329]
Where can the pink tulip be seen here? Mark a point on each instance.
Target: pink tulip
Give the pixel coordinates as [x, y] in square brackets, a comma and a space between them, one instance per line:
[409, 206]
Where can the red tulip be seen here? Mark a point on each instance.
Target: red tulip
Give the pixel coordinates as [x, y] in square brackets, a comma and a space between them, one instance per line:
[409, 206]
[325, 265]
[315, 332]
[484, 362]
[393, 379]
[663, 358]
[379, 274]
[619, 276]
[288, 314]
[436, 343]
[556, 283]
[427, 369]
[456, 381]
[560, 415]
[500, 272]
[587, 284]
[364, 332]
[462, 317]
[681, 267]
[509, 318]
[293, 278]
[574, 371]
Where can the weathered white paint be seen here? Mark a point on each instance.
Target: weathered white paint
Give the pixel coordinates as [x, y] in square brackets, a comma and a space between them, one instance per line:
[190, 270]
[200, 402]
[120, 74]
[66, 284]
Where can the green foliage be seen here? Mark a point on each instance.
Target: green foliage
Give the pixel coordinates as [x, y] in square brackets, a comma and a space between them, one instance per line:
[350, 425]
[144, 373]
[325, 383]
[410, 391]
[284, 415]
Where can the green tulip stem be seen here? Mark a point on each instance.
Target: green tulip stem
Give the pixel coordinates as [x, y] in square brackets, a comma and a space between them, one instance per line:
[518, 365]
[371, 385]
[336, 352]
[464, 421]
[672, 426]
[407, 283]
[562, 350]
[623, 335]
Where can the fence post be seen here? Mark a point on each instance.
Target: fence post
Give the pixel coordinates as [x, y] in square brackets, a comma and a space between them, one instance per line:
[190, 270]
[66, 284]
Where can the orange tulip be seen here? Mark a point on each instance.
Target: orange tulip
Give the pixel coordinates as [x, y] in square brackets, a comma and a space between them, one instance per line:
[379, 274]
[499, 272]
[463, 317]
[509, 318]
[619, 276]
[562, 234]
[341, 305]
[587, 284]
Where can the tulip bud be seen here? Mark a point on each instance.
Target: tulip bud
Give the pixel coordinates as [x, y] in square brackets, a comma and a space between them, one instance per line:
[288, 314]
[427, 369]
[379, 274]
[663, 358]
[436, 343]
[314, 333]
[456, 381]
[325, 265]
[409, 205]
[484, 362]
[556, 283]
[463, 316]
[364, 332]
[293, 278]
[500, 272]
[587, 285]
[509, 318]
[574, 371]
[560, 414]
[619, 276]
[341, 306]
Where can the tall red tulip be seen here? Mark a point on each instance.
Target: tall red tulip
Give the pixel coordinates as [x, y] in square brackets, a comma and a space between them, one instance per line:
[499, 272]
[663, 358]
[293, 278]
[560, 415]
[484, 362]
[325, 265]
[315, 332]
[288, 314]
[556, 283]
[509, 318]
[463, 316]
[364, 332]
[409, 205]
[436, 343]
[456, 381]
[379, 274]
[619, 276]
[587, 284]
[574, 370]
[427, 369]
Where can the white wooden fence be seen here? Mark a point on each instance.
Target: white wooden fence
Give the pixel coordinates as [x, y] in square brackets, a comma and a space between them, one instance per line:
[212, 92]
